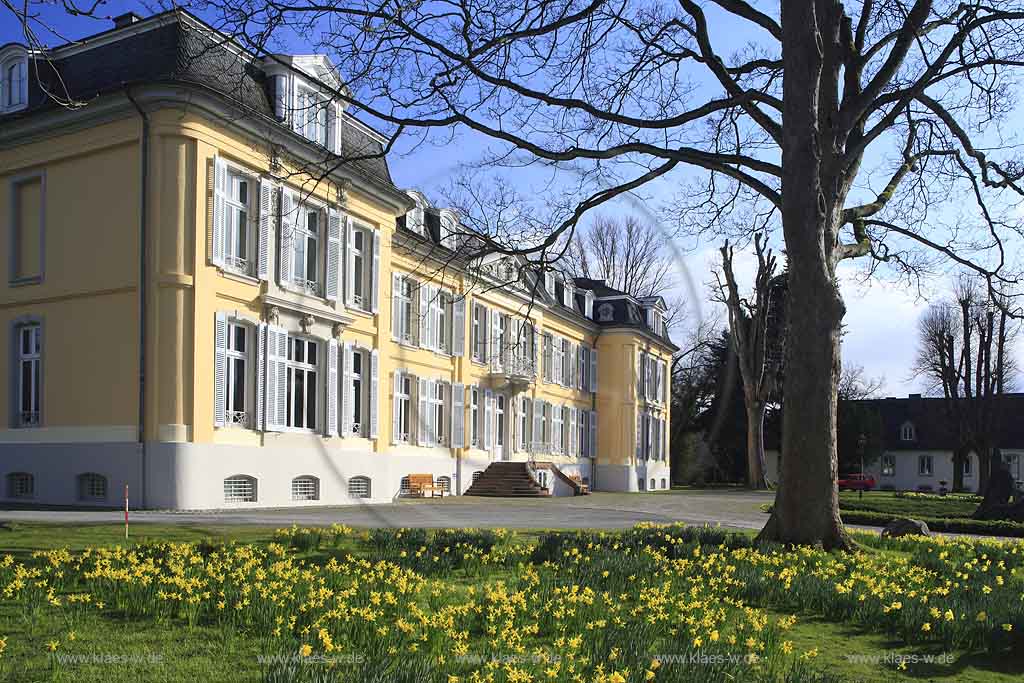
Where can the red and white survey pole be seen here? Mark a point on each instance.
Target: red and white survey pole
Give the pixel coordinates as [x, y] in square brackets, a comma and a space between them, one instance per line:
[126, 512]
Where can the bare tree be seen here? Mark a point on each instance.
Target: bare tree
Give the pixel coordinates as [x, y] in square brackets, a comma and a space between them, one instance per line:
[856, 385]
[628, 253]
[845, 124]
[758, 342]
[964, 354]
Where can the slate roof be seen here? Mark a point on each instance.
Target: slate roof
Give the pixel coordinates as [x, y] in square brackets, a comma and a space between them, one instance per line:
[176, 52]
[622, 309]
[932, 425]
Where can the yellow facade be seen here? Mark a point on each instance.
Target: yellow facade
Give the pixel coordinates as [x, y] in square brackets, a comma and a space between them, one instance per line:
[89, 196]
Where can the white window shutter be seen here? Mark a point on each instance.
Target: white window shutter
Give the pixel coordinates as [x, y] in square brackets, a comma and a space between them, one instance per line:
[535, 346]
[640, 393]
[265, 227]
[424, 315]
[431, 413]
[331, 423]
[350, 262]
[421, 414]
[261, 373]
[593, 369]
[375, 272]
[374, 391]
[396, 409]
[458, 430]
[538, 423]
[396, 310]
[348, 405]
[332, 128]
[488, 419]
[277, 378]
[289, 209]
[220, 369]
[583, 433]
[593, 434]
[573, 445]
[333, 270]
[220, 211]
[459, 327]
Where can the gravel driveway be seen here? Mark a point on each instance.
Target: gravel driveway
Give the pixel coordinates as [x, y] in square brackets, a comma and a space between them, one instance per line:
[737, 509]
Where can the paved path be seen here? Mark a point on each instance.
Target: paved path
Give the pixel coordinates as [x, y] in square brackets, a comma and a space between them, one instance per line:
[737, 509]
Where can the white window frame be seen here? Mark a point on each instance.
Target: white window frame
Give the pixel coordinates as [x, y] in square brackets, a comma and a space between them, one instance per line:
[474, 417]
[302, 233]
[888, 465]
[311, 114]
[405, 331]
[33, 358]
[361, 485]
[14, 90]
[556, 429]
[232, 415]
[403, 401]
[922, 470]
[294, 367]
[437, 405]
[235, 259]
[360, 389]
[361, 267]
[908, 432]
[305, 487]
[479, 333]
[968, 465]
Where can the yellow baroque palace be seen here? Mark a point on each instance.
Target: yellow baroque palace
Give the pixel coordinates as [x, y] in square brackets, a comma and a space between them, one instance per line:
[217, 297]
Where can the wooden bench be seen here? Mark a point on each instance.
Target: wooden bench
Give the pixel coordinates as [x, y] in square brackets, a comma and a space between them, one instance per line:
[584, 488]
[420, 484]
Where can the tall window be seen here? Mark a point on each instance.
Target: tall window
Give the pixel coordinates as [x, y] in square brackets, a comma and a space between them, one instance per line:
[436, 406]
[238, 378]
[479, 333]
[888, 465]
[556, 429]
[404, 407]
[305, 249]
[302, 383]
[238, 243]
[924, 465]
[499, 421]
[357, 393]
[312, 116]
[403, 309]
[14, 86]
[474, 417]
[968, 465]
[442, 306]
[524, 423]
[30, 387]
[358, 267]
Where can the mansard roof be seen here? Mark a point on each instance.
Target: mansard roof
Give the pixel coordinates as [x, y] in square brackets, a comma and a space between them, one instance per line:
[175, 47]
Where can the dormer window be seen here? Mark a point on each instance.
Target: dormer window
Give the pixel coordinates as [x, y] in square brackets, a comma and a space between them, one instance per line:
[588, 304]
[907, 432]
[449, 229]
[311, 116]
[13, 81]
[416, 218]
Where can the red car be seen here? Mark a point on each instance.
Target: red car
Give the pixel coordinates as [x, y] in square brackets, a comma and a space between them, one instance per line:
[856, 482]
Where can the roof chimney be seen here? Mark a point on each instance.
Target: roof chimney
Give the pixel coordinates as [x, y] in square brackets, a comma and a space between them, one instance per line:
[126, 19]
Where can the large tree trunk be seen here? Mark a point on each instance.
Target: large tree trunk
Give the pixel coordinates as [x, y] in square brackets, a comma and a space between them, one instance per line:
[755, 446]
[959, 456]
[806, 507]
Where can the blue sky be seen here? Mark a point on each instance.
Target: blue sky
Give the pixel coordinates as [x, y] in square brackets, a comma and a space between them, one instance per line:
[881, 317]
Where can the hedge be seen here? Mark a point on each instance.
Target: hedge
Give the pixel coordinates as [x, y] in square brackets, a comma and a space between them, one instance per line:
[958, 525]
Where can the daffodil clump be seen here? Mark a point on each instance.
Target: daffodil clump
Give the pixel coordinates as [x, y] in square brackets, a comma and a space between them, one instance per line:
[655, 603]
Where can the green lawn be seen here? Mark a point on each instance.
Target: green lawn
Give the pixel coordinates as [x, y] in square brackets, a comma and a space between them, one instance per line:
[544, 606]
[927, 505]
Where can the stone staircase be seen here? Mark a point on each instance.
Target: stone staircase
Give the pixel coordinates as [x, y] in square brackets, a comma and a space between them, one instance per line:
[506, 479]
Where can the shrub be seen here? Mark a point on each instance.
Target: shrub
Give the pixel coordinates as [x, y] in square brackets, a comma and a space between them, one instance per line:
[959, 525]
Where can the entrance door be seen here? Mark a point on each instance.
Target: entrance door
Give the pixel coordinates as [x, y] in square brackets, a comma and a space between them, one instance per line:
[500, 452]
